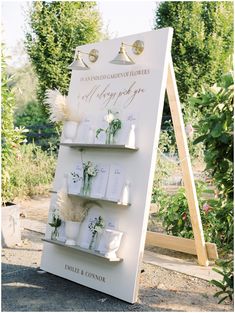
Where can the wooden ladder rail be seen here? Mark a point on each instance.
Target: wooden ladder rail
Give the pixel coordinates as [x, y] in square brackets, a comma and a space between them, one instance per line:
[186, 166]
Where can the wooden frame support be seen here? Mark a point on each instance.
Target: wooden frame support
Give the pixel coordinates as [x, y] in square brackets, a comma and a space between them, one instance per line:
[186, 167]
[179, 244]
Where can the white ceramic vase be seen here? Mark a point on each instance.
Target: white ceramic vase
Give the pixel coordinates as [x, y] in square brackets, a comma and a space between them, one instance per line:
[70, 131]
[111, 240]
[71, 232]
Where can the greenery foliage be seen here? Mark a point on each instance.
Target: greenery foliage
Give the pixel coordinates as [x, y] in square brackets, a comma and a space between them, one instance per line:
[24, 77]
[201, 48]
[216, 133]
[227, 284]
[215, 130]
[56, 28]
[202, 41]
[33, 172]
[114, 125]
[175, 216]
[32, 115]
[11, 136]
[41, 131]
[167, 143]
[164, 165]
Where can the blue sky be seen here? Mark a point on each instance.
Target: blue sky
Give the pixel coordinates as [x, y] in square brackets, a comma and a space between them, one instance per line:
[122, 18]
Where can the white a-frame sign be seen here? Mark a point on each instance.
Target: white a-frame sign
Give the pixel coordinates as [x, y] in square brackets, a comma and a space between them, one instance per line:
[135, 94]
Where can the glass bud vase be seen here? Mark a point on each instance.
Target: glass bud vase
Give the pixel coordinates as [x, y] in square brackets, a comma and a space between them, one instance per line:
[109, 138]
[55, 234]
[86, 185]
[93, 241]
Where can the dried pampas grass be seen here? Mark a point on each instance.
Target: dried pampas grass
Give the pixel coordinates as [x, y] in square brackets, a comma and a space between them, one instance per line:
[79, 213]
[68, 210]
[58, 106]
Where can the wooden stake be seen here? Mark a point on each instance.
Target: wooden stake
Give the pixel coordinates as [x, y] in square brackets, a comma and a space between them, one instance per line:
[186, 167]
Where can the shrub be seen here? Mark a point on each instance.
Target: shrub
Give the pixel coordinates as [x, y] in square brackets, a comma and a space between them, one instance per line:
[33, 172]
[11, 137]
[41, 131]
[31, 114]
[215, 131]
[163, 165]
[174, 213]
[227, 283]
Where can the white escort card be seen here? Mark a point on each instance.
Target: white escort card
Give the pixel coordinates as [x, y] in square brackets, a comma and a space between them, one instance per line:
[127, 135]
[85, 233]
[75, 180]
[62, 236]
[115, 183]
[85, 130]
[99, 182]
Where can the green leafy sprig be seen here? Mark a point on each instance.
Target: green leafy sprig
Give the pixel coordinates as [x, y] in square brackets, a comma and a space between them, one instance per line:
[114, 124]
[97, 225]
[56, 221]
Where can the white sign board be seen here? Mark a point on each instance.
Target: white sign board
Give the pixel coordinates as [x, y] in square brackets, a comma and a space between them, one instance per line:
[136, 92]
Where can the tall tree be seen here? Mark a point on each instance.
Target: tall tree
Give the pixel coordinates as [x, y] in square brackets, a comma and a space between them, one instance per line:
[202, 41]
[24, 77]
[56, 28]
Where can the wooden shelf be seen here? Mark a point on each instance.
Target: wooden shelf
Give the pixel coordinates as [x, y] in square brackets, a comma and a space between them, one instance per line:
[82, 146]
[77, 248]
[95, 199]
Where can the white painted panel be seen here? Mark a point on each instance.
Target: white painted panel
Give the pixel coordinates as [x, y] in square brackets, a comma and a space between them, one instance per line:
[130, 90]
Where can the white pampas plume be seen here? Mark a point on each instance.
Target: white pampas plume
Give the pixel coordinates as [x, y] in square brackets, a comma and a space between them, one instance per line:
[79, 213]
[64, 205]
[58, 106]
[68, 210]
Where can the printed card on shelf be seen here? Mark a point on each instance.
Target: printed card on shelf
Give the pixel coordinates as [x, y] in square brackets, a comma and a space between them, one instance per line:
[127, 132]
[75, 180]
[115, 183]
[112, 223]
[62, 236]
[85, 131]
[99, 182]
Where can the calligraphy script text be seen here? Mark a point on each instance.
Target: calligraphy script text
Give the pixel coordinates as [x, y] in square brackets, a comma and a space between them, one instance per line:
[111, 97]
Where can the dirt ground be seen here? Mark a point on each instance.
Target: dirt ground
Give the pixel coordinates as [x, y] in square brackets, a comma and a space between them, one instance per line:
[160, 289]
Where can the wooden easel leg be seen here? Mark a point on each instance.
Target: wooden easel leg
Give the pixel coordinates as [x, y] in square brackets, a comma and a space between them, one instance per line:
[186, 167]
